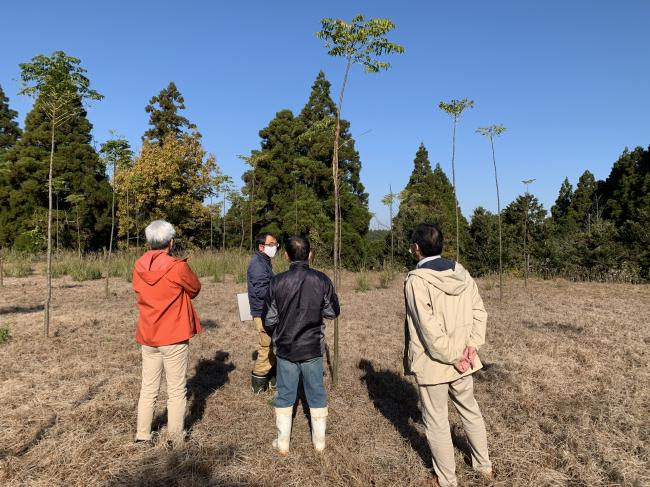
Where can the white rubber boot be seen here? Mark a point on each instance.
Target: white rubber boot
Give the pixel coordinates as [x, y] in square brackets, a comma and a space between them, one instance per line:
[283, 419]
[318, 427]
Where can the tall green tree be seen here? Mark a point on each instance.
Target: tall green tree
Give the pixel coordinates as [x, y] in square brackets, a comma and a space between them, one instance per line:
[523, 227]
[455, 109]
[9, 134]
[59, 85]
[389, 200]
[9, 129]
[560, 210]
[582, 204]
[484, 252]
[358, 42]
[491, 133]
[164, 116]
[116, 153]
[289, 182]
[626, 197]
[427, 198]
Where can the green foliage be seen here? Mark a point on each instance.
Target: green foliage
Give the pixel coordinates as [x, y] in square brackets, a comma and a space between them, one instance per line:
[290, 185]
[359, 41]
[85, 271]
[58, 81]
[455, 108]
[386, 277]
[362, 284]
[9, 130]
[18, 268]
[483, 251]
[4, 335]
[427, 198]
[164, 117]
[60, 87]
[560, 210]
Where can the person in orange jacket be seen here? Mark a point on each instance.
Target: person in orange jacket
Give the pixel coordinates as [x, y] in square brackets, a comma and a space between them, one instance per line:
[164, 287]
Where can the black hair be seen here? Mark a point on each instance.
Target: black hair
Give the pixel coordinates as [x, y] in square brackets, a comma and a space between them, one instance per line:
[261, 239]
[429, 239]
[297, 248]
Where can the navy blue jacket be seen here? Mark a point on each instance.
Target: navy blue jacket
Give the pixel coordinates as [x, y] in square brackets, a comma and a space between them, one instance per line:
[295, 307]
[258, 277]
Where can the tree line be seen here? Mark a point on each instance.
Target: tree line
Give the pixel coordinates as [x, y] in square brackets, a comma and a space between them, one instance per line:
[597, 230]
[104, 196]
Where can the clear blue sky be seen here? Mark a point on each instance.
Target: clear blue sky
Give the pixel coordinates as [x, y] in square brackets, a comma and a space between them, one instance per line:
[569, 79]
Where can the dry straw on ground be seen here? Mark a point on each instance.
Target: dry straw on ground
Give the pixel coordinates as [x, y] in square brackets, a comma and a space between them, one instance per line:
[564, 392]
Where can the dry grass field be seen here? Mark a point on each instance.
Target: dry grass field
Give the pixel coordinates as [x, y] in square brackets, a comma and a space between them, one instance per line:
[565, 393]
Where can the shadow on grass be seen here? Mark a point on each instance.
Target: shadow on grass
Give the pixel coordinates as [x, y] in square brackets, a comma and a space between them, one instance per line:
[397, 399]
[209, 324]
[21, 309]
[209, 376]
[190, 466]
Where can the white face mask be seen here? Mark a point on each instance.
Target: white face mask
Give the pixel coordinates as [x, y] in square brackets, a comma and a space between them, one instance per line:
[270, 250]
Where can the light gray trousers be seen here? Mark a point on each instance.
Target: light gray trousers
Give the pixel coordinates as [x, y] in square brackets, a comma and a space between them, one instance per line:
[433, 400]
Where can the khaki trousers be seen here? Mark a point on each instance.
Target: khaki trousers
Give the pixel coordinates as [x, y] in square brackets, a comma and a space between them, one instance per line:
[265, 356]
[433, 400]
[172, 359]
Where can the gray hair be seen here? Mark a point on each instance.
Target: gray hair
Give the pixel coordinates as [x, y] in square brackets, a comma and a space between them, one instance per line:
[159, 233]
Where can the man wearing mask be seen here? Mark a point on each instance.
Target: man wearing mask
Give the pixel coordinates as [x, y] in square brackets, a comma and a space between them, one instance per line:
[259, 277]
[445, 326]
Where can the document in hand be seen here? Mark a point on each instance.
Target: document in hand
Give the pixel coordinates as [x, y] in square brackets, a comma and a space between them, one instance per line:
[244, 307]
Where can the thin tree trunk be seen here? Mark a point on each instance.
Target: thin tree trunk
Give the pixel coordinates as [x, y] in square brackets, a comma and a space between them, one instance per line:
[2, 268]
[241, 242]
[496, 181]
[526, 245]
[211, 218]
[250, 206]
[57, 223]
[337, 220]
[110, 241]
[137, 228]
[223, 242]
[392, 243]
[453, 177]
[78, 235]
[128, 221]
[48, 297]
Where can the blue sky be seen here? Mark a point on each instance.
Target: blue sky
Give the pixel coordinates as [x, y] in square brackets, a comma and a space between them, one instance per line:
[569, 79]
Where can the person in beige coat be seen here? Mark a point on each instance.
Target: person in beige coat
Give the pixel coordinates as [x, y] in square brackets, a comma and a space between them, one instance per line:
[445, 327]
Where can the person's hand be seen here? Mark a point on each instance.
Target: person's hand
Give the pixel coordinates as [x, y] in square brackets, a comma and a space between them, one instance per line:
[469, 355]
[462, 365]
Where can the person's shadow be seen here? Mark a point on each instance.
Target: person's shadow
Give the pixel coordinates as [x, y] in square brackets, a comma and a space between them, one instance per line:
[397, 400]
[209, 376]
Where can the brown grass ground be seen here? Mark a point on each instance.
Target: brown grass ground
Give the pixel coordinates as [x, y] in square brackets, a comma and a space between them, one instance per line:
[564, 393]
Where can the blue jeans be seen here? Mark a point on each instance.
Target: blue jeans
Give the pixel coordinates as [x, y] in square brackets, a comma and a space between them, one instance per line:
[288, 376]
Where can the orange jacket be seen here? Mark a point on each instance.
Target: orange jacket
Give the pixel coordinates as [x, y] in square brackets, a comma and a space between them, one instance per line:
[164, 287]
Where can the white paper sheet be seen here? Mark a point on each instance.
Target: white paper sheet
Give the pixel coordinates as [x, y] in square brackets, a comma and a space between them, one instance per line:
[244, 307]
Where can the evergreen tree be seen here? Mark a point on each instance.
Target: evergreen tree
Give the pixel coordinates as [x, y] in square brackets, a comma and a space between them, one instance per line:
[9, 129]
[290, 178]
[23, 183]
[428, 198]
[164, 117]
[627, 195]
[483, 248]
[560, 209]
[524, 214]
[582, 202]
